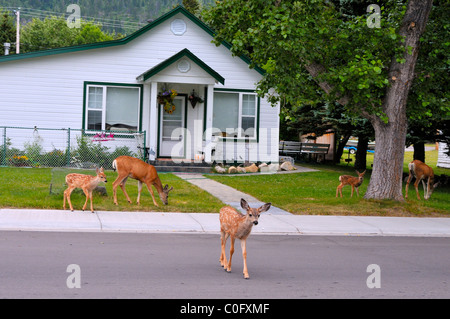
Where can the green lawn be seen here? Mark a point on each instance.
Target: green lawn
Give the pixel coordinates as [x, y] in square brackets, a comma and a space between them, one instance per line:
[30, 188]
[315, 192]
[298, 193]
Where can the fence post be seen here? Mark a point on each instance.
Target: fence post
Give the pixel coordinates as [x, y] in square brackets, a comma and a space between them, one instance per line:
[145, 147]
[68, 147]
[4, 148]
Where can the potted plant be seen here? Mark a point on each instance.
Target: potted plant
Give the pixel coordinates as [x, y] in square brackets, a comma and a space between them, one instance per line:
[166, 99]
[194, 99]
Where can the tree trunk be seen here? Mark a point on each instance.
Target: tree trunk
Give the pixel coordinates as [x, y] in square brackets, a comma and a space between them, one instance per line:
[419, 151]
[340, 148]
[390, 137]
[361, 153]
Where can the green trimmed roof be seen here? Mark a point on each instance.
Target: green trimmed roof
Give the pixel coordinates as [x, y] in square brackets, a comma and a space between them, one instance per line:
[122, 41]
[183, 53]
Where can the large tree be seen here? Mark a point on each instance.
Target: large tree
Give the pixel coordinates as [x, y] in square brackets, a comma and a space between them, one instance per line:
[365, 66]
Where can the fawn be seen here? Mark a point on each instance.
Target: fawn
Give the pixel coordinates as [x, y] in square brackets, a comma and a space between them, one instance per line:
[355, 182]
[86, 182]
[127, 166]
[236, 225]
[421, 172]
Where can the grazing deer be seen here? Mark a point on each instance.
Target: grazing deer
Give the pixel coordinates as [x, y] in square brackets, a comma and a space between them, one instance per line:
[236, 225]
[421, 172]
[355, 182]
[127, 166]
[86, 182]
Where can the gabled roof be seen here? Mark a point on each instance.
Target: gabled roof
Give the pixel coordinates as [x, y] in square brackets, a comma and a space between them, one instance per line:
[183, 53]
[123, 41]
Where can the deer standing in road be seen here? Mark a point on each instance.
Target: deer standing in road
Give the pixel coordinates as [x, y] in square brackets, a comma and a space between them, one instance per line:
[355, 182]
[421, 172]
[86, 182]
[236, 225]
[127, 166]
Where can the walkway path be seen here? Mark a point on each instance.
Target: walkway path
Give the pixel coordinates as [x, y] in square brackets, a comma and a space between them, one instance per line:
[231, 196]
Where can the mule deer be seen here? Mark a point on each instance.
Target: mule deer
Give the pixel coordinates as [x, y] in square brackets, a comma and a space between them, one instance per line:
[355, 182]
[236, 225]
[421, 172]
[86, 182]
[127, 166]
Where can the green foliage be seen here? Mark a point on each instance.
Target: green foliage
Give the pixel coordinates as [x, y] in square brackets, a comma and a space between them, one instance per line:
[284, 37]
[53, 32]
[7, 30]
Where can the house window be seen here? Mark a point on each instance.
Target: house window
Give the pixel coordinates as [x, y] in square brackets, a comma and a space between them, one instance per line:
[112, 107]
[235, 114]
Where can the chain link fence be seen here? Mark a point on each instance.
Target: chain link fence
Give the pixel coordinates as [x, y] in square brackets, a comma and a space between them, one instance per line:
[73, 148]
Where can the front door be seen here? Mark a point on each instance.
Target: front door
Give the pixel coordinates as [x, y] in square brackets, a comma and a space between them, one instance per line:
[172, 129]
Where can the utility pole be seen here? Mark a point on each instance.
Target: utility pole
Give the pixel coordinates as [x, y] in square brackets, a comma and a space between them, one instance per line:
[17, 12]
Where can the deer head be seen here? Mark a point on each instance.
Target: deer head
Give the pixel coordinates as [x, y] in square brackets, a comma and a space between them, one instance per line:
[253, 213]
[164, 195]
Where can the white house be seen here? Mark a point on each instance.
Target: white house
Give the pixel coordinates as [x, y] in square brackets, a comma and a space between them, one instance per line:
[115, 85]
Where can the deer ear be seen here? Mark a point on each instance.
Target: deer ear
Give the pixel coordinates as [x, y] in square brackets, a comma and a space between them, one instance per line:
[244, 204]
[169, 189]
[265, 207]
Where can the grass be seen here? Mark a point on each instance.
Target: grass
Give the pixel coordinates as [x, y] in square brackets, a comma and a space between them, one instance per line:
[314, 193]
[30, 188]
[300, 193]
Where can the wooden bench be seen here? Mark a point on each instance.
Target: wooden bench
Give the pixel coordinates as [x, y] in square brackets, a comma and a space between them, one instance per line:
[290, 148]
[315, 148]
[295, 149]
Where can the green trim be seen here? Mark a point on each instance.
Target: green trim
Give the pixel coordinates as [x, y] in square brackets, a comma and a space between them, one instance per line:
[183, 53]
[234, 90]
[125, 40]
[141, 98]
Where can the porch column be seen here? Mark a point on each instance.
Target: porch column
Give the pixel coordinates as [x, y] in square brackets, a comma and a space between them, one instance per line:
[153, 130]
[209, 122]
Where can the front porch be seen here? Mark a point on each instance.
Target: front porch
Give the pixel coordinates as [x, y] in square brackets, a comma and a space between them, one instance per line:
[182, 129]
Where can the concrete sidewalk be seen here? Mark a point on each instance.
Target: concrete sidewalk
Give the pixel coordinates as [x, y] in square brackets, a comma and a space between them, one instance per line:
[139, 222]
[226, 194]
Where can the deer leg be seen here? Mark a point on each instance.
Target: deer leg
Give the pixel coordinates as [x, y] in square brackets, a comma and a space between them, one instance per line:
[407, 186]
[122, 186]
[244, 257]
[353, 188]
[339, 189]
[231, 253]
[139, 192]
[425, 189]
[223, 241]
[87, 198]
[153, 196]
[120, 180]
[416, 186]
[357, 191]
[67, 194]
[92, 206]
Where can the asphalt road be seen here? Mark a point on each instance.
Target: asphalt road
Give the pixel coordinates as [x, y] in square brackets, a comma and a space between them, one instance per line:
[115, 265]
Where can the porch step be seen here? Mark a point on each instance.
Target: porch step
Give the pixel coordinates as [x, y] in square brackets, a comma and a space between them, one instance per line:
[170, 166]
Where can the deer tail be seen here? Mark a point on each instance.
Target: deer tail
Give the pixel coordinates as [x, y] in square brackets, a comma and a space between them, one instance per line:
[114, 165]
